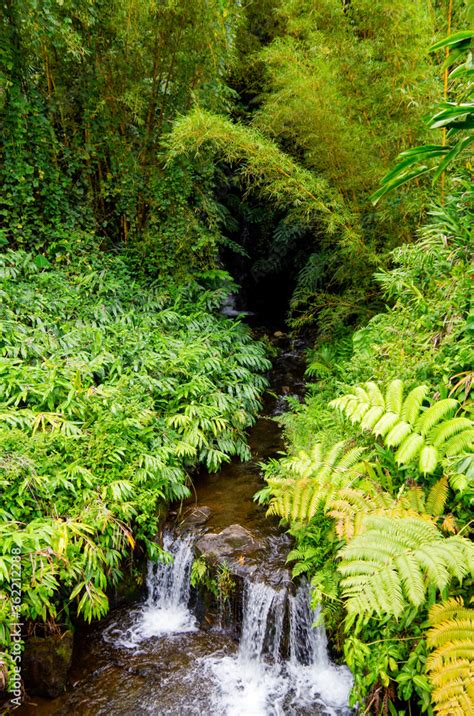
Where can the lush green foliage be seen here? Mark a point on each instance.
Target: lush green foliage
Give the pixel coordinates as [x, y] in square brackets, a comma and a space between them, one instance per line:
[167, 130]
[396, 516]
[424, 435]
[381, 519]
[343, 91]
[450, 665]
[111, 393]
[454, 118]
[88, 90]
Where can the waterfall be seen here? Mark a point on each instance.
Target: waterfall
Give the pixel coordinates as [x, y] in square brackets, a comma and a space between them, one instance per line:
[281, 666]
[259, 680]
[308, 643]
[313, 677]
[166, 608]
[262, 625]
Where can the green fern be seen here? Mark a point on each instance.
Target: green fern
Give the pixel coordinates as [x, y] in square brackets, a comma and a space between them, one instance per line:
[425, 436]
[393, 561]
[450, 667]
[437, 496]
[351, 506]
[311, 480]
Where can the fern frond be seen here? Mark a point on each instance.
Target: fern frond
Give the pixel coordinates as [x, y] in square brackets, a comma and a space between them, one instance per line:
[462, 442]
[412, 403]
[448, 429]
[429, 458]
[409, 449]
[316, 455]
[450, 666]
[414, 499]
[394, 397]
[298, 499]
[386, 423]
[398, 433]
[391, 563]
[350, 505]
[434, 414]
[437, 497]
[424, 436]
[332, 457]
[350, 458]
[375, 394]
[371, 417]
[440, 613]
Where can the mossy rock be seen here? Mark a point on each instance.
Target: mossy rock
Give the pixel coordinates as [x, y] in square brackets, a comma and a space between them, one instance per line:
[46, 664]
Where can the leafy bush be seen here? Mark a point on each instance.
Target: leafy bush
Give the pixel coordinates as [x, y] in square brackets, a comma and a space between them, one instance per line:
[450, 665]
[380, 504]
[111, 393]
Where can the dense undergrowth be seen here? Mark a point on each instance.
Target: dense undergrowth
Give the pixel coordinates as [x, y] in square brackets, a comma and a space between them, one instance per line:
[378, 484]
[135, 160]
[112, 392]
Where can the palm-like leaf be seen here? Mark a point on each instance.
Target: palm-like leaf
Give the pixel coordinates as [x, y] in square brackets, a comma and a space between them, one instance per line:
[450, 666]
[392, 562]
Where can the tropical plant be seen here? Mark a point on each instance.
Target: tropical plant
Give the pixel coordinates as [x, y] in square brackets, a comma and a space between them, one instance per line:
[393, 562]
[450, 664]
[455, 119]
[427, 434]
[112, 392]
[88, 92]
[310, 481]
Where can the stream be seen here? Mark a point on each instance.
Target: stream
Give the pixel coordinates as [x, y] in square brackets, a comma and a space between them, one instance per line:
[258, 655]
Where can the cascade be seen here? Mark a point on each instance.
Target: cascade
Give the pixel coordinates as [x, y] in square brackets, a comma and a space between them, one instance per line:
[166, 608]
[281, 665]
[160, 658]
[259, 680]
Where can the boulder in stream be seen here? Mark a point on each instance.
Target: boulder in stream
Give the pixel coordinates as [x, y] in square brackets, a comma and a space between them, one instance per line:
[195, 516]
[235, 546]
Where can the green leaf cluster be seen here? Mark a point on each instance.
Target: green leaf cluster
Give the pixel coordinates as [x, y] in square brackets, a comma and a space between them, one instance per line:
[385, 538]
[112, 392]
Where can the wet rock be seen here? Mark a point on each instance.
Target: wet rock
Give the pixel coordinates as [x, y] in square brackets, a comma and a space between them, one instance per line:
[46, 663]
[279, 334]
[195, 517]
[235, 546]
[131, 585]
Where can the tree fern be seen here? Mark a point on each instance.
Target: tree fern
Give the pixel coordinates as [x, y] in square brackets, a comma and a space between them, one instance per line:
[312, 479]
[393, 561]
[450, 666]
[351, 506]
[425, 436]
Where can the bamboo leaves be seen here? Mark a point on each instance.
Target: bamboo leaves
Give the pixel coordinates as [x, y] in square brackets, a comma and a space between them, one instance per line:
[451, 117]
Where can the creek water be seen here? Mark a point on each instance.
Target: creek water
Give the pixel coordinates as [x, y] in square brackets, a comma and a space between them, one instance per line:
[158, 657]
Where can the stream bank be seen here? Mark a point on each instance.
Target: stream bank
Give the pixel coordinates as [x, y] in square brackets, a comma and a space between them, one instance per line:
[183, 651]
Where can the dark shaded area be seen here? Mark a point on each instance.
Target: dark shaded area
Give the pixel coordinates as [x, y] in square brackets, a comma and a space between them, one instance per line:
[264, 253]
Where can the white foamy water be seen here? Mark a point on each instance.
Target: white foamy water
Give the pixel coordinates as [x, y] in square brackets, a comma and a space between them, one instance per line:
[166, 610]
[258, 682]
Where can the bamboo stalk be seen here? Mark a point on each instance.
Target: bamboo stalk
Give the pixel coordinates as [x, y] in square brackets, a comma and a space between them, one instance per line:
[445, 92]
